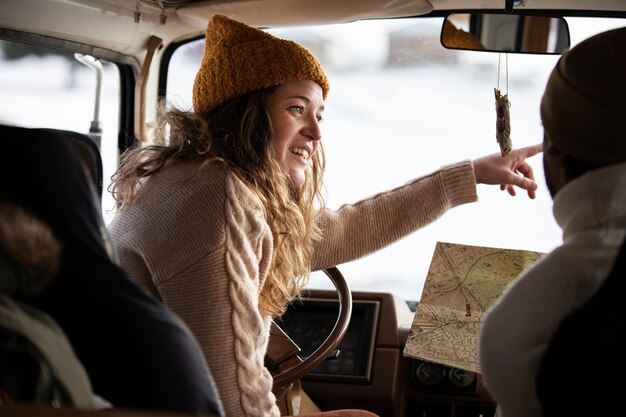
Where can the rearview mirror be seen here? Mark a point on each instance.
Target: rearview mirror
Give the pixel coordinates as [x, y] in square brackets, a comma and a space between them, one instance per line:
[500, 32]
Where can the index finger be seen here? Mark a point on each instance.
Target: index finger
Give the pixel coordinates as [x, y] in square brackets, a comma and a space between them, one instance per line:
[531, 150]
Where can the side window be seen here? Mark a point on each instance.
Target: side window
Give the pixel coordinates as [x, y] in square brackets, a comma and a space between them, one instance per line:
[43, 87]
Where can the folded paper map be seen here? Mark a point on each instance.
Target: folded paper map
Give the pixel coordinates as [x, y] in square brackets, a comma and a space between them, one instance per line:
[462, 283]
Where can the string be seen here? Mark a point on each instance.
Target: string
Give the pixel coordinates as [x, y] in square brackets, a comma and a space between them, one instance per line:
[506, 71]
[498, 83]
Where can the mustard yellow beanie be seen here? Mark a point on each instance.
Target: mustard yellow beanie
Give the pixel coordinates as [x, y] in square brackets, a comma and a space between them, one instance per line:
[239, 59]
[583, 108]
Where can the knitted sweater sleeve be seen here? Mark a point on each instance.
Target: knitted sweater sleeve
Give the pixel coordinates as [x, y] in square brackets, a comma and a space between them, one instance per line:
[247, 258]
[217, 295]
[358, 229]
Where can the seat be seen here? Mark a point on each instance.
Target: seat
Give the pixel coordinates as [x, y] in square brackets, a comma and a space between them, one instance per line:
[136, 352]
[88, 150]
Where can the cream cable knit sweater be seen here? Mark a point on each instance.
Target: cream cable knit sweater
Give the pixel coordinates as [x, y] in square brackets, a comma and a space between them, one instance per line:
[197, 239]
[516, 332]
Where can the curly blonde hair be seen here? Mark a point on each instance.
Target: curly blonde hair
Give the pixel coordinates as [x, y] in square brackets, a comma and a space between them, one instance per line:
[240, 135]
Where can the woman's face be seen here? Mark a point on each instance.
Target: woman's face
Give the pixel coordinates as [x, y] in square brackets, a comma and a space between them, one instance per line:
[296, 109]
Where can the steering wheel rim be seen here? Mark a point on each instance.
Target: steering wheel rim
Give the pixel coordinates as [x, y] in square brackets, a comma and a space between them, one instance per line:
[290, 375]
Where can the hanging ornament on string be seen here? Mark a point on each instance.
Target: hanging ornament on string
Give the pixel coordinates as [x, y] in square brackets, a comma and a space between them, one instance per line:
[503, 117]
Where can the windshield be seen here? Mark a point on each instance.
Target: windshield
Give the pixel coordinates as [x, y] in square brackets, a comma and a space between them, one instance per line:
[401, 106]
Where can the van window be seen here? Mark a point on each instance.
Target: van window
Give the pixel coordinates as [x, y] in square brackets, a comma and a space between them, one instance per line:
[48, 88]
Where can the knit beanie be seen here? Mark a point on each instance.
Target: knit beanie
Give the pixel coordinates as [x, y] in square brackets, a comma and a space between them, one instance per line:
[239, 59]
[583, 108]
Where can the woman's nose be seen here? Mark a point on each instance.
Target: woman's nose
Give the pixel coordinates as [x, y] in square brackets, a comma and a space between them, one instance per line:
[312, 129]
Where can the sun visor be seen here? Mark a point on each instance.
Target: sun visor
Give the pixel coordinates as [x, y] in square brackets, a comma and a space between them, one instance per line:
[262, 13]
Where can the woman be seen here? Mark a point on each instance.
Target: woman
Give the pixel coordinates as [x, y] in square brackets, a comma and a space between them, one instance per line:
[224, 219]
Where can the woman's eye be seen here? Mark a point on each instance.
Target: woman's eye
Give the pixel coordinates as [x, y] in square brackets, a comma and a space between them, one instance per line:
[319, 118]
[297, 109]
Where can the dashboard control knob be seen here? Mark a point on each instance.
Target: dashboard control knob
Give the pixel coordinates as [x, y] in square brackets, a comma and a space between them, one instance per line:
[429, 373]
[461, 378]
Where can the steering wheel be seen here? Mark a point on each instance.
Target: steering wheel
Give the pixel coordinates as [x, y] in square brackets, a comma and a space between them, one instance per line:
[303, 366]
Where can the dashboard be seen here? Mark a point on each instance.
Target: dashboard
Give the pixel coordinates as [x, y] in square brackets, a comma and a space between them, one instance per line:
[368, 369]
[309, 324]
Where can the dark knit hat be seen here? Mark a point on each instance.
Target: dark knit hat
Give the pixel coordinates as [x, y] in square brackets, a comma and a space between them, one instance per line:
[583, 108]
[239, 59]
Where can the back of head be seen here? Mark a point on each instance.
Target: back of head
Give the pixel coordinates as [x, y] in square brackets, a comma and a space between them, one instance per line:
[583, 108]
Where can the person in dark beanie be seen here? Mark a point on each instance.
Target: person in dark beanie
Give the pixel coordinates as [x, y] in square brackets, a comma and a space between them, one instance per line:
[584, 117]
[223, 218]
[136, 352]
